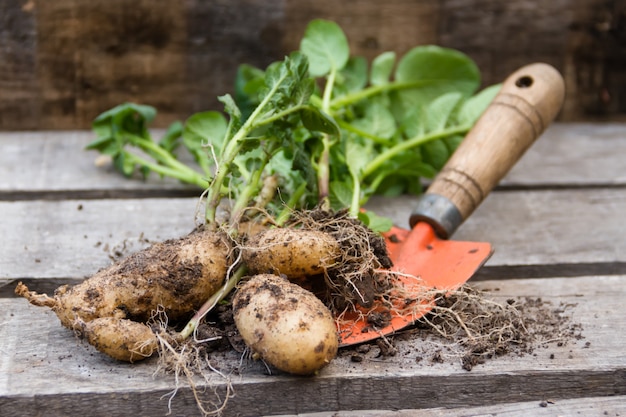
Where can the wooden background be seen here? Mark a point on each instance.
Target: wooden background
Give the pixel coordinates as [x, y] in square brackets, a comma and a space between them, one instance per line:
[62, 62]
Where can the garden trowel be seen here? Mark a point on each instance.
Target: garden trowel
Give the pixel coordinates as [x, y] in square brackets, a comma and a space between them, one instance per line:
[424, 260]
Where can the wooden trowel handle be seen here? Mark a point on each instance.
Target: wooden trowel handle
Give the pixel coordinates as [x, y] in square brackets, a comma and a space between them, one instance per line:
[528, 101]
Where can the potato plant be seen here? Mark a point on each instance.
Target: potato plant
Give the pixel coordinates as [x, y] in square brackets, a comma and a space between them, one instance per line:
[299, 149]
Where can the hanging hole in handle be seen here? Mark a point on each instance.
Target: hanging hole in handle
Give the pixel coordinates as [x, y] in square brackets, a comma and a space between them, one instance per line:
[524, 81]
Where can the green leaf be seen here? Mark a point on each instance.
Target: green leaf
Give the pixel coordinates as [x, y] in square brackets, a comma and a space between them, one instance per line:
[204, 129]
[382, 66]
[431, 117]
[124, 164]
[357, 156]
[106, 145]
[437, 113]
[435, 153]
[317, 121]
[375, 222]
[474, 106]
[353, 76]
[340, 193]
[326, 47]
[430, 71]
[171, 139]
[377, 120]
[128, 117]
[249, 85]
[232, 109]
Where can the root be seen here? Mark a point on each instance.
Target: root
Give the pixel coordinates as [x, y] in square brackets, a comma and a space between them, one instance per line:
[355, 279]
[189, 362]
[36, 299]
[479, 328]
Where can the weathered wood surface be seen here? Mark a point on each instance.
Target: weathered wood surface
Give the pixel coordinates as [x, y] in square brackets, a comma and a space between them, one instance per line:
[556, 222]
[533, 232]
[64, 62]
[87, 382]
[590, 407]
[34, 165]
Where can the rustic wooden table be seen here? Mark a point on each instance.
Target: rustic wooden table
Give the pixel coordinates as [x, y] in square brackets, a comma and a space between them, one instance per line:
[557, 223]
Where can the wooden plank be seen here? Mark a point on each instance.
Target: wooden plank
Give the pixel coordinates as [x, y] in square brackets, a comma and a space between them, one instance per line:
[19, 91]
[371, 27]
[33, 163]
[594, 366]
[66, 239]
[584, 154]
[93, 56]
[597, 406]
[577, 154]
[65, 61]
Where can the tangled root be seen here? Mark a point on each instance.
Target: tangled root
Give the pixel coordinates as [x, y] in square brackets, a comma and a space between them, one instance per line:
[480, 328]
[355, 279]
[189, 362]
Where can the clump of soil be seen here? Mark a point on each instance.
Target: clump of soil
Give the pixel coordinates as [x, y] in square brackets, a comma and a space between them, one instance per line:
[478, 328]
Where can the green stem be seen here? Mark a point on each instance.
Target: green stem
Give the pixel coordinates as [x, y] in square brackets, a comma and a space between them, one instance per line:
[355, 97]
[323, 164]
[248, 192]
[188, 175]
[285, 214]
[375, 163]
[349, 127]
[230, 152]
[323, 170]
[159, 153]
[279, 115]
[355, 205]
[209, 304]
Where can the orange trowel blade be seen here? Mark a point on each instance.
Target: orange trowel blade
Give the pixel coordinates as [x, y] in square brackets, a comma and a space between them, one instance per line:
[423, 263]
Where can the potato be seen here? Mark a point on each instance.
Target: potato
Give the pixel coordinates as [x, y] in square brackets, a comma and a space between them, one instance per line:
[174, 277]
[121, 339]
[291, 252]
[285, 324]
[178, 274]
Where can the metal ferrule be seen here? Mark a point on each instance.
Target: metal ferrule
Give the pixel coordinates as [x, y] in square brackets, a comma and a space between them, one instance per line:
[439, 212]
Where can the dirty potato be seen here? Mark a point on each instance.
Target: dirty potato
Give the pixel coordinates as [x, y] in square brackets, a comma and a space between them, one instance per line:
[121, 339]
[286, 325]
[291, 252]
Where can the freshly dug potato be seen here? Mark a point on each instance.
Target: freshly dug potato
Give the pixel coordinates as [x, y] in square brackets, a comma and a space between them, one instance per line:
[121, 339]
[291, 252]
[285, 324]
[178, 274]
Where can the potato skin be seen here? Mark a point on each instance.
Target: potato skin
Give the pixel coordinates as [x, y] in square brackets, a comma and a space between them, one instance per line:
[121, 339]
[291, 252]
[285, 324]
[178, 274]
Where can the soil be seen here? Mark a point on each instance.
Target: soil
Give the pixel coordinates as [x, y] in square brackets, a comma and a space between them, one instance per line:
[467, 328]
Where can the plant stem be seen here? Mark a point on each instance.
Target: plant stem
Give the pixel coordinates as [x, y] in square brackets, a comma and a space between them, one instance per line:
[375, 163]
[291, 203]
[349, 127]
[323, 170]
[355, 205]
[323, 164]
[159, 153]
[348, 99]
[230, 152]
[187, 175]
[248, 192]
[209, 304]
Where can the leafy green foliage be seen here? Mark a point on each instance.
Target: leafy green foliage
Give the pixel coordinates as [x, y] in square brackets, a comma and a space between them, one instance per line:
[326, 47]
[322, 123]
